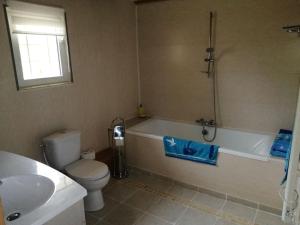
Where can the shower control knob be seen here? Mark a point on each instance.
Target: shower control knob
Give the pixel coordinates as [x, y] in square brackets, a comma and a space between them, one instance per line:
[211, 123]
[201, 121]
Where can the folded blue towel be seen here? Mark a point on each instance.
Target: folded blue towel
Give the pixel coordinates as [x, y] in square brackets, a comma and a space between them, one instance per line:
[191, 150]
[282, 144]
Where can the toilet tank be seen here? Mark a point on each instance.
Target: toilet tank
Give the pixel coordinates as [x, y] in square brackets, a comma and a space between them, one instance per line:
[62, 148]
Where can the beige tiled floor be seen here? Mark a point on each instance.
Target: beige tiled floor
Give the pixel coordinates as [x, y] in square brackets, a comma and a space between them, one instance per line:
[151, 220]
[183, 192]
[264, 218]
[149, 200]
[208, 200]
[142, 200]
[195, 217]
[239, 210]
[167, 210]
[120, 192]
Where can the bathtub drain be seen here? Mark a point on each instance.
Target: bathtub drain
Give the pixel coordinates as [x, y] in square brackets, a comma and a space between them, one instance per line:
[13, 216]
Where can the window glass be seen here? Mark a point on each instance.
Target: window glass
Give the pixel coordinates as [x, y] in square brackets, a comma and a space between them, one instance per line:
[39, 43]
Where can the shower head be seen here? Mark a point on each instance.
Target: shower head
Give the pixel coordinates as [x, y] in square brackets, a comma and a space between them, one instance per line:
[292, 29]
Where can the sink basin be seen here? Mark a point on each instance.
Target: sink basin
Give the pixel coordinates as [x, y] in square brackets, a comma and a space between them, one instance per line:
[24, 193]
[33, 193]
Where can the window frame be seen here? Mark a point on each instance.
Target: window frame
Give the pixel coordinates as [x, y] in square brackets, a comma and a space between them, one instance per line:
[22, 84]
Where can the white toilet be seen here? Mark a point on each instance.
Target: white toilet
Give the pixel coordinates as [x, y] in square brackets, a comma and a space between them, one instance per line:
[62, 151]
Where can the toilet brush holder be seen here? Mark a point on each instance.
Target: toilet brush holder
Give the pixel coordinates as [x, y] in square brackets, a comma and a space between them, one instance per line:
[117, 140]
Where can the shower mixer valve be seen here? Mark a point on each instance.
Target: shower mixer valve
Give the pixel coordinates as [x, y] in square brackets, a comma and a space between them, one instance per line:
[207, 123]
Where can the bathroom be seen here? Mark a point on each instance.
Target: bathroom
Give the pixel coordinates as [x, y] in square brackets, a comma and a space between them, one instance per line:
[124, 53]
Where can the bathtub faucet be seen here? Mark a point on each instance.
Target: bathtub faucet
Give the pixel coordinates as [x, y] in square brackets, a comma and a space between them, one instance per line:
[207, 123]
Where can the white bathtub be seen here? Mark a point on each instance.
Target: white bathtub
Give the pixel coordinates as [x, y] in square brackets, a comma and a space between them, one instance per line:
[246, 144]
[244, 168]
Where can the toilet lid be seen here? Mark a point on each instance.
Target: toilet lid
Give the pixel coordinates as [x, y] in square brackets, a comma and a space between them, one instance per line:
[87, 169]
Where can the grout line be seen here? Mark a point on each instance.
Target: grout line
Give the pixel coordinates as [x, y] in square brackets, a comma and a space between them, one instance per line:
[112, 209]
[171, 186]
[221, 211]
[147, 213]
[129, 196]
[142, 216]
[117, 205]
[96, 217]
[183, 212]
[255, 216]
[194, 197]
[224, 203]
[217, 220]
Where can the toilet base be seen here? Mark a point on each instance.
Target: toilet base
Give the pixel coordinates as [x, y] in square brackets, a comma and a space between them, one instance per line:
[93, 201]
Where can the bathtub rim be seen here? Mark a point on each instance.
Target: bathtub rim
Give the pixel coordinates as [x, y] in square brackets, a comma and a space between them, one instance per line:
[151, 118]
[222, 150]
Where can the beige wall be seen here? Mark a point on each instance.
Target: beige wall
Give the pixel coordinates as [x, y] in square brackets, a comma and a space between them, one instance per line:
[257, 62]
[103, 54]
[258, 69]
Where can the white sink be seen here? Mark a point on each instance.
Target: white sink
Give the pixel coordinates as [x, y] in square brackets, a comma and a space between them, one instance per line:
[34, 193]
[22, 194]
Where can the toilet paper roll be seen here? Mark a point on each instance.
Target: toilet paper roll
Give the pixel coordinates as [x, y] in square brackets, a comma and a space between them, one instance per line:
[90, 154]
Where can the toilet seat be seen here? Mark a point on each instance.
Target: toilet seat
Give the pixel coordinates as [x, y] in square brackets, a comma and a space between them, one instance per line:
[87, 169]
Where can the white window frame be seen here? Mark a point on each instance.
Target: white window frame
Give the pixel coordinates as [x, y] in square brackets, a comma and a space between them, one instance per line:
[66, 70]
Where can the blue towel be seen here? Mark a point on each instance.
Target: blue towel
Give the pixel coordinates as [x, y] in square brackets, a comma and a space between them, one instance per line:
[282, 144]
[191, 150]
[286, 167]
[282, 148]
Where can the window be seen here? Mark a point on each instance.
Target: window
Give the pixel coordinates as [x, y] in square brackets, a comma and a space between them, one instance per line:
[39, 44]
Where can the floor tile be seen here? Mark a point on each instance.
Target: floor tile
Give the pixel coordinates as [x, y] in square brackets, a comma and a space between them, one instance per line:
[151, 180]
[195, 217]
[90, 220]
[223, 222]
[208, 201]
[120, 192]
[111, 182]
[160, 183]
[123, 215]
[102, 222]
[239, 210]
[167, 210]
[109, 205]
[151, 220]
[264, 218]
[142, 200]
[182, 192]
[137, 176]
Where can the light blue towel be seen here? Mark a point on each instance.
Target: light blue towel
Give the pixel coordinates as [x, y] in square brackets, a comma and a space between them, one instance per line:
[191, 150]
